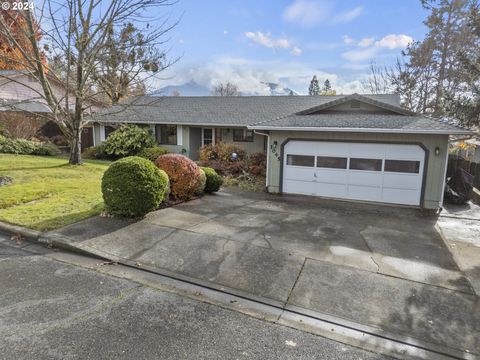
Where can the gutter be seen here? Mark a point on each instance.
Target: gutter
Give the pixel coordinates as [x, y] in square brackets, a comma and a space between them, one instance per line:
[268, 156]
[364, 130]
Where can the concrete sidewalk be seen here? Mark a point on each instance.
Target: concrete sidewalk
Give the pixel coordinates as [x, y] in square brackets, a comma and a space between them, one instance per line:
[260, 245]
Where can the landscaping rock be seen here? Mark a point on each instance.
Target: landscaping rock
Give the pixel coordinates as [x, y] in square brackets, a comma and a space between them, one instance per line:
[5, 180]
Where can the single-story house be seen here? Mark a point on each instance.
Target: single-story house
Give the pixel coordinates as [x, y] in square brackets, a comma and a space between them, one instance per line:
[358, 147]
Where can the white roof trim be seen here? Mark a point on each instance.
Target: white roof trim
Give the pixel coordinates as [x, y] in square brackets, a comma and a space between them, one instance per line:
[363, 130]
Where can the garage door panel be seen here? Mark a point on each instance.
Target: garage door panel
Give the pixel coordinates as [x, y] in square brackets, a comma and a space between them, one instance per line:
[365, 178]
[391, 173]
[400, 196]
[332, 149]
[367, 193]
[331, 190]
[404, 152]
[301, 147]
[369, 151]
[299, 187]
[331, 176]
[402, 181]
[299, 173]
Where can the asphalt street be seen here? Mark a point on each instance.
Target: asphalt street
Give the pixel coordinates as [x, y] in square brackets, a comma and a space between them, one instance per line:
[54, 310]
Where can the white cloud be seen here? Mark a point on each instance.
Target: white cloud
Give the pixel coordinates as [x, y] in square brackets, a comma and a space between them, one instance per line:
[347, 40]
[394, 41]
[251, 75]
[306, 12]
[359, 55]
[370, 47]
[348, 16]
[267, 40]
[365, 42]
[296, 51]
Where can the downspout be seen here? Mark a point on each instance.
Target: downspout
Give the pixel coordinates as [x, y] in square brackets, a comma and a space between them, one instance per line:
[268, 156]
[444, 174]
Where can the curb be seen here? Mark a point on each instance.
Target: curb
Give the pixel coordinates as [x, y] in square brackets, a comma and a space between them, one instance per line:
[27, 233]
[346, 331]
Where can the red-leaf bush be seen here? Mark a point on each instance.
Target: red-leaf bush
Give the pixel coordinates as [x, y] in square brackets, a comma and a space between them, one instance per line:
[184, 174]
[257, 163]
[221, 152]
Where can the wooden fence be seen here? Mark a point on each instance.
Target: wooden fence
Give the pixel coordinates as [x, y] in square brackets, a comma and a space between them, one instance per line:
[455, 162]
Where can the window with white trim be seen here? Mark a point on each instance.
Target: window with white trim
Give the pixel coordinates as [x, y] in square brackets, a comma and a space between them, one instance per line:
[244, 135]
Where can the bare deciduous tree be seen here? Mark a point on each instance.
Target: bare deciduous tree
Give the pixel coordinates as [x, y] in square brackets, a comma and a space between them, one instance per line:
[227, 89]
[76, 35]
[379, 80]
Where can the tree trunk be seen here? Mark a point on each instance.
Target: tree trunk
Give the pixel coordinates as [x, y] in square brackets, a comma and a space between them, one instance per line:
[76, 146]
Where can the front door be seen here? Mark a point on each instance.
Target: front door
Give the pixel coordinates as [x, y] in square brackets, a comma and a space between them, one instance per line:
[87, 137]
[208, 136]
[195, 142]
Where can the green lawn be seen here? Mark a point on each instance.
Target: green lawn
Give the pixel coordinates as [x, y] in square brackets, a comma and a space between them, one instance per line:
[47, 193]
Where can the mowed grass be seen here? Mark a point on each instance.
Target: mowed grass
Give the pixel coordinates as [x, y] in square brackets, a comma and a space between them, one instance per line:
[48, 193]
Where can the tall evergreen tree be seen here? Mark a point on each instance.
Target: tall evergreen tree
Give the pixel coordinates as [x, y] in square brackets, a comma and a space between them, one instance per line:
[314, 88]
[466, 106]
[432, 69]
[327, 87]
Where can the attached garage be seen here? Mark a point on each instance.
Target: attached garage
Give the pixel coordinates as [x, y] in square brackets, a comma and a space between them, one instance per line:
[389, 173]
[359, 148]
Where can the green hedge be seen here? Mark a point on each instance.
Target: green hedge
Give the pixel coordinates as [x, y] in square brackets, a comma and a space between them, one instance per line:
[128, 140]
[152, 153]
[202, 183]
[134, 186]
[214, 181]
[27, 147]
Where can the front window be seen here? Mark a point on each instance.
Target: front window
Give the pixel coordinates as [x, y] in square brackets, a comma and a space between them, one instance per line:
[166, 134]
[207, 136]
[242, 135]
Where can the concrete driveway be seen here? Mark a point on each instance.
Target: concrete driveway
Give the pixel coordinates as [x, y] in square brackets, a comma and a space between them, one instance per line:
[377, 265]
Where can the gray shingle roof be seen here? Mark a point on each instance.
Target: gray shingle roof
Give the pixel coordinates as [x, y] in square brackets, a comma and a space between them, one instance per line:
[29, 106]
[370, 121]
[273, 112]
[215, 110]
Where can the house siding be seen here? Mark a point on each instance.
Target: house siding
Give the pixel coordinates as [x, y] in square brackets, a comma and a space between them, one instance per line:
[257, 145]
[435, 168]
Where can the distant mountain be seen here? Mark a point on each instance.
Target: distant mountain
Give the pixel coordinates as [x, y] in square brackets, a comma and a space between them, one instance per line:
[278, 90]
[192, 88]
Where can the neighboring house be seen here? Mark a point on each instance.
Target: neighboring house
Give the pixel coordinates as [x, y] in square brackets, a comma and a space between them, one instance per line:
[358, 147]
[21, 102]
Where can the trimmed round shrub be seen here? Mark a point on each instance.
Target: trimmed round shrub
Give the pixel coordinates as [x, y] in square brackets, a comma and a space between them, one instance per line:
[184, 175]
[214, 181]
[152, 153]
[202, 183]
[133, 186]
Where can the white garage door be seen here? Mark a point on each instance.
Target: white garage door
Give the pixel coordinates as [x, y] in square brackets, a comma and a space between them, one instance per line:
[389, 173]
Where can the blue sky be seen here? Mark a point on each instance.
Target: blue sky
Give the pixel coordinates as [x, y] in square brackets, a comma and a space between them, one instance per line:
[288, 41]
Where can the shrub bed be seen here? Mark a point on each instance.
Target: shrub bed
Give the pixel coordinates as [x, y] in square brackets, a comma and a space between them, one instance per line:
[214, 181]
[27, 147]
[152, 153]
[133, 186]
[128, 140]
[184, 175]
[202, 183]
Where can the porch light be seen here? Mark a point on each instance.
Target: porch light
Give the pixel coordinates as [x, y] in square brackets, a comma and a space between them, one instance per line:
[437, 151]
